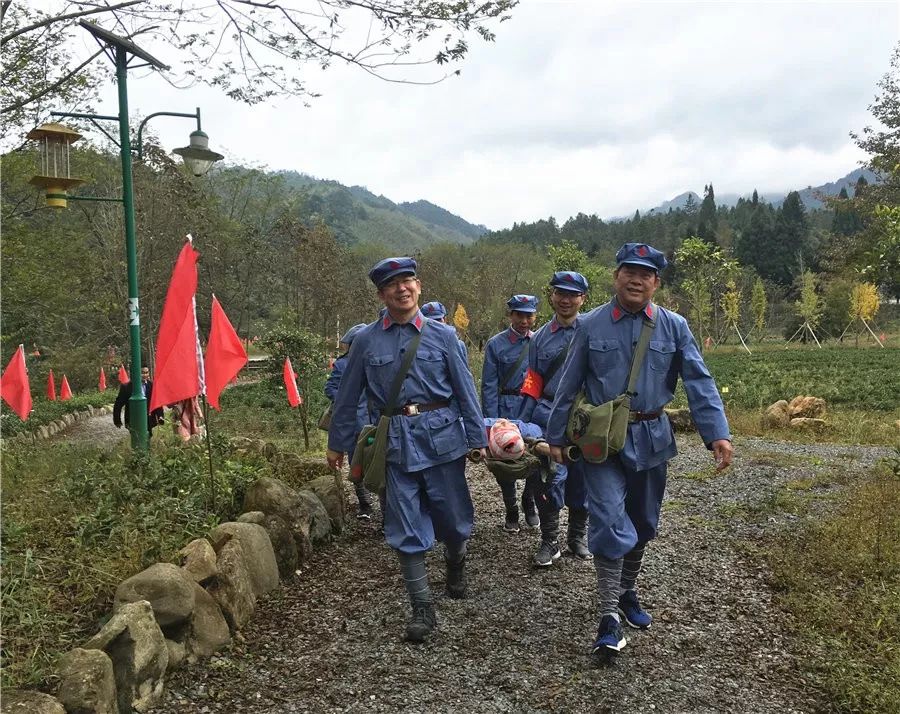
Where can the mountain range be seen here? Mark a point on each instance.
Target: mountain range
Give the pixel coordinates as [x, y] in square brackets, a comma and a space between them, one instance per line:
[811, 196]
[357, 215]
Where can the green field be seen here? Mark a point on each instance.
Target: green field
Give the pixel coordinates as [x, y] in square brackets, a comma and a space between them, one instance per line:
[867, 379]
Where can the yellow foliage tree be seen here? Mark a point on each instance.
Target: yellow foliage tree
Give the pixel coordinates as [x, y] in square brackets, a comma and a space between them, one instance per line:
[864, 302]
[461, 318]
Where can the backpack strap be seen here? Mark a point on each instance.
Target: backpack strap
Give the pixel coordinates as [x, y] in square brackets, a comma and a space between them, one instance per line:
[637, 359]
[391, 407]
[554, 366]
[510, 373]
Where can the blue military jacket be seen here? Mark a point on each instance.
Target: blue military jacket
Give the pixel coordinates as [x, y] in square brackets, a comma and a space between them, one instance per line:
[599, 361]
[437, 374]
[500, 355]
[545, 346]
[333, 383]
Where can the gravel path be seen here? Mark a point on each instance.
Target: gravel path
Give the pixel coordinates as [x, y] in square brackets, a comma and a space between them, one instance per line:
[331, 641]
[98, 430]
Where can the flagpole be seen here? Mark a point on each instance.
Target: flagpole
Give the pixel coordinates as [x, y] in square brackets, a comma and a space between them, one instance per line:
[212, 480]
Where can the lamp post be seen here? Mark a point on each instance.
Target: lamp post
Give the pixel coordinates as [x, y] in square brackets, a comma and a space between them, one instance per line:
[197, 156]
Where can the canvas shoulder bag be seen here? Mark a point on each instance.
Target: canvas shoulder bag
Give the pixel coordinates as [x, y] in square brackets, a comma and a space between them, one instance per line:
[599, 431]
[369, 462]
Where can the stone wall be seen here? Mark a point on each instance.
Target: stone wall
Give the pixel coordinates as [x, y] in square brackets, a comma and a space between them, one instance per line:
[169, 614]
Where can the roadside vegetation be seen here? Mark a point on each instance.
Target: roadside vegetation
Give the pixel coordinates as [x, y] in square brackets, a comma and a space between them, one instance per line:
[839, 576]
[77, 520]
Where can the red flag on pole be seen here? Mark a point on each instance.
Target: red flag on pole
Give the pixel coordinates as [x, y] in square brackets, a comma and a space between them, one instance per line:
[123, 375]
[65, 391]
[51, 387]
[14, 386]
[290, 384]
[225, 355]
[102, 385]
[177, 366]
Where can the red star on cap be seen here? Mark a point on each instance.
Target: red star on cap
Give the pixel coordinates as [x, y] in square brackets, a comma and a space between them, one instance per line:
[394, 265]
[642, 250]
[570, 278]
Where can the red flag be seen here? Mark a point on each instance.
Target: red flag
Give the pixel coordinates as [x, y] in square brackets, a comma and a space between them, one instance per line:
[65, 391]
[177, 366]
[102, 385]
[51, 387]
[123, 375]
[14, 386]
[225, 355]
[290, 384]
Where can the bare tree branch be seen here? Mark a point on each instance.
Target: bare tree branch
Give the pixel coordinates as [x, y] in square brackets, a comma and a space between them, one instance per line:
[55, 19]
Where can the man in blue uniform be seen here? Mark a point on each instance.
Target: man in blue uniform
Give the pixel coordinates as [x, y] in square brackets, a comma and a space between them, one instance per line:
[505, 364]
[364, 512]
[625, 492]
[439, 420]
[436, 311]
[546, 355]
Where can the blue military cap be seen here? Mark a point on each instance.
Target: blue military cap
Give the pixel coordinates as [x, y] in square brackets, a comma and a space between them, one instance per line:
[522, 303]
[569, 280]
[391, 268]
[434, 310]
[347, 339]
[641, 254]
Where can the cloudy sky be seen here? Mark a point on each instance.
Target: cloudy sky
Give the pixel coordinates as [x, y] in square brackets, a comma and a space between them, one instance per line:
[580, 106]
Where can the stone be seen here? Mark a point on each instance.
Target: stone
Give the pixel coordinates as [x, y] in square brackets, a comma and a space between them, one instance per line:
[87, 682]
[168, 589]
[274, 497]
[209, 629]
[681, 420]
[269, 450]
[177, 652]
[51, 429]
[137, 648]
[810, 407]
[332, 498]
[84, 414]
[257, 517]
[232, 588]
[287, 554]
[20, 701]
[897, 424]
[319, 520]
[42, 432]
[776, 415]
[808, 424]
[69, 419]
[258, 553]
[198, 560]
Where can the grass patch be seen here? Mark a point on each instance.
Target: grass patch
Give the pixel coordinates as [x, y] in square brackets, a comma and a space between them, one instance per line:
[260, 410]
[843, 426]
[77, 520]
[840, 577]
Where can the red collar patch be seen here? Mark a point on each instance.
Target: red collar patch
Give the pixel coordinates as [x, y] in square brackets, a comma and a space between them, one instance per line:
[417, 321]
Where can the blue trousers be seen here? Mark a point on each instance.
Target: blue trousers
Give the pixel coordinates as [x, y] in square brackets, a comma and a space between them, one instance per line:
[428, 505]
[568, 487]
[623, 505]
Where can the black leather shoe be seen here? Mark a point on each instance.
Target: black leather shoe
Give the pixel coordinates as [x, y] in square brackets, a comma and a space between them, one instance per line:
[421, 624]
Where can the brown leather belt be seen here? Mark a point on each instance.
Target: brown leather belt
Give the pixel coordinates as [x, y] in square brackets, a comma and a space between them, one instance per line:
[643, 416]
[413, 409]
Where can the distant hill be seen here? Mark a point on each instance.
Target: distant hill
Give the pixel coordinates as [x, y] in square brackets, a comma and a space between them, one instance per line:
[809, 195]
[357, 215]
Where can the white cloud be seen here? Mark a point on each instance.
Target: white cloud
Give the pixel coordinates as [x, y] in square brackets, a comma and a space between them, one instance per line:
[582, 106]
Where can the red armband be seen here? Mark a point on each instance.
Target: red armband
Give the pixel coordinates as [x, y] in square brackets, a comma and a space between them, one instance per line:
[533, 384]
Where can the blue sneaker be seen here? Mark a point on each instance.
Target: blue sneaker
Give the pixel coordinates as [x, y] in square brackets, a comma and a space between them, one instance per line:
[609, 637]
[630, 609]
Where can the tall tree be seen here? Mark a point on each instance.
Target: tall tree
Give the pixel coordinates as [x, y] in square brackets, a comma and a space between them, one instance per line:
[707, 219]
